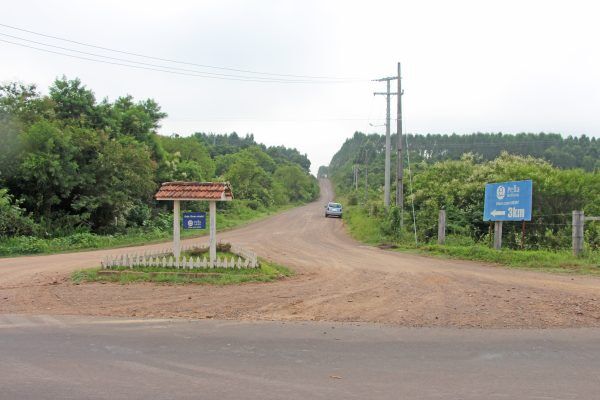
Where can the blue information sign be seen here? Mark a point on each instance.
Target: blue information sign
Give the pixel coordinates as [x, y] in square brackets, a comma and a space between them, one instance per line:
[194, 220]
[508, 201]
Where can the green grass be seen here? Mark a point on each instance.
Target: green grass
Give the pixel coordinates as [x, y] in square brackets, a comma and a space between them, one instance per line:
[543, 260]
[27, 245]
[267, 272]
[362, 226]
[366, 229]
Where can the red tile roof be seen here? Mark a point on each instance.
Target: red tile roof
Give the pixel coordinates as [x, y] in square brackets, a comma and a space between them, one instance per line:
[219, 191]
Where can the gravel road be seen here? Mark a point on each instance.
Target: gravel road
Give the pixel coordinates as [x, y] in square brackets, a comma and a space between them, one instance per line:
[337, 279]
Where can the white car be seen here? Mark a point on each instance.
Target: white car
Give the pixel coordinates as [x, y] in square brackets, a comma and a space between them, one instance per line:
[333, 210]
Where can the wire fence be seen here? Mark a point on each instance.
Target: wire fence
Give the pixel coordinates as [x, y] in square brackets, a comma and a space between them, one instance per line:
[548, 231]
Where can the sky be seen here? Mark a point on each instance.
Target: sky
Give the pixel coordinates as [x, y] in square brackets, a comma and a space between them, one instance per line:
[467, 66]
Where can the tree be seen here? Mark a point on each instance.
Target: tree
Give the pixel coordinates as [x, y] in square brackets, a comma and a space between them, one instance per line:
[73, 101]
[47, 171]
[249, 180]
[118, 176]
[297, 184]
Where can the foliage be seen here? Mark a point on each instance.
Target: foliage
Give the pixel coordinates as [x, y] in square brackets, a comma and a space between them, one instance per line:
[70, 164]
[457, 185]
[13, 219]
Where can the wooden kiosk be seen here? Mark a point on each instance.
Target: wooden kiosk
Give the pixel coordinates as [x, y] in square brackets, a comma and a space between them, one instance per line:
[195, 191]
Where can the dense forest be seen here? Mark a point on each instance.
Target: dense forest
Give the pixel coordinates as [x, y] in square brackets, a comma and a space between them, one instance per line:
[70, 163]
[570, 152]
[450, 172]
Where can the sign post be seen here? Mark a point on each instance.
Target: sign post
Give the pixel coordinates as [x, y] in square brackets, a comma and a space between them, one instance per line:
[507, 201]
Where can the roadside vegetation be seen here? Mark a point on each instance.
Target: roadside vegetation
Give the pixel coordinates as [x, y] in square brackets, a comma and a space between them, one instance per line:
[78, 173]
[267, 272]
[456, 184]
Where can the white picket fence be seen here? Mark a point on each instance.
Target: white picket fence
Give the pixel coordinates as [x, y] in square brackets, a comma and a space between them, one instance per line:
[163, 258]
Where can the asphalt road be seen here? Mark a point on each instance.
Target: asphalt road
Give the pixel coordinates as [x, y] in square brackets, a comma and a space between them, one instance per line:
[61, 357]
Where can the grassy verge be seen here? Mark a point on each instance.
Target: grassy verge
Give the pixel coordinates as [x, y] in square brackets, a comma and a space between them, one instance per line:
[366, 228]
[544, 260]
[27, 245]
[267, 272]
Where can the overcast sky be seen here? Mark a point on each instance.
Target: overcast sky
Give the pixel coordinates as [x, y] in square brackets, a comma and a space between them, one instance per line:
[467, 66]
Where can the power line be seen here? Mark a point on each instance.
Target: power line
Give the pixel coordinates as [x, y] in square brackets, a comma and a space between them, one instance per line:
[132, 61]
[441, 145]
[161, 69]
[243, 119]
[341, 79]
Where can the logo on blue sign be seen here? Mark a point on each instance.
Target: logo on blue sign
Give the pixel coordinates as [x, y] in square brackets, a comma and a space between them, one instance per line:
[508, 201]
[194, 220]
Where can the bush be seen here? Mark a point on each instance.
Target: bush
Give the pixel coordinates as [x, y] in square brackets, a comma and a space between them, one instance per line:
[13, 220]
[253, 204]
[23, 245]
[352, 199]
[391, 224]
[197, 251]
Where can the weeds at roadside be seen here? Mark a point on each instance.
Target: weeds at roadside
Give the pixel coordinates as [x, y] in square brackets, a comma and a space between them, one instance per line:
[366, 228]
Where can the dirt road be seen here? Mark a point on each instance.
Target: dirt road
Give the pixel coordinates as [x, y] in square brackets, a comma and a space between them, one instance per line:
[337, 279]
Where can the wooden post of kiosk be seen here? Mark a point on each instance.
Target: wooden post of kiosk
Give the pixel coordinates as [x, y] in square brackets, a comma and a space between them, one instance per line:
[212, 207]
[176, 230]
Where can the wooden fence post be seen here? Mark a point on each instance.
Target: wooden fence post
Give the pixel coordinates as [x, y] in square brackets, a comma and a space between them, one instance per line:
[442, 227]
[497, 235]
[578, 221]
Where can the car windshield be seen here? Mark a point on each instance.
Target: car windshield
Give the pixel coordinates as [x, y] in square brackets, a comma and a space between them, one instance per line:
[335, 205]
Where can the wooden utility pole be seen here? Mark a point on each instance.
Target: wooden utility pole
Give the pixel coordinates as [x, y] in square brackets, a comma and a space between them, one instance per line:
[399, 155]
[442, 227]
[388, 142]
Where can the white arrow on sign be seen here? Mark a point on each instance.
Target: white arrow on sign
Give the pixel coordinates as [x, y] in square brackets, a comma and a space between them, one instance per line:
[495, 213]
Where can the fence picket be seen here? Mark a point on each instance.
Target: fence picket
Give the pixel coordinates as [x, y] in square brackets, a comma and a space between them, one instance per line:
[241, 258]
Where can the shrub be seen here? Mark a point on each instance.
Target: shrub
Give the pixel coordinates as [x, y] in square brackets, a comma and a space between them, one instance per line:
[13, 220]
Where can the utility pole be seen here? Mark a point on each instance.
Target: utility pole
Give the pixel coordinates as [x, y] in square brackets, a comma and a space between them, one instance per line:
[366, 162]
[355, 172]
[388, 143]
[399, 148]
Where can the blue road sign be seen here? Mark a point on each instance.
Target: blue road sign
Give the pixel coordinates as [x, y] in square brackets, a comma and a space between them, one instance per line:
[194, 220]
[508, 201]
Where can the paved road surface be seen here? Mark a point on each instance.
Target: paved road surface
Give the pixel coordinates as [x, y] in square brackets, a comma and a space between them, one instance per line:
[337, 279]
[46, 357]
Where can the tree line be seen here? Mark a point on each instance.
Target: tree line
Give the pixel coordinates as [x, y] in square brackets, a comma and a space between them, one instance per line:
[70, 162]
[455, 182]
[562, 152]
